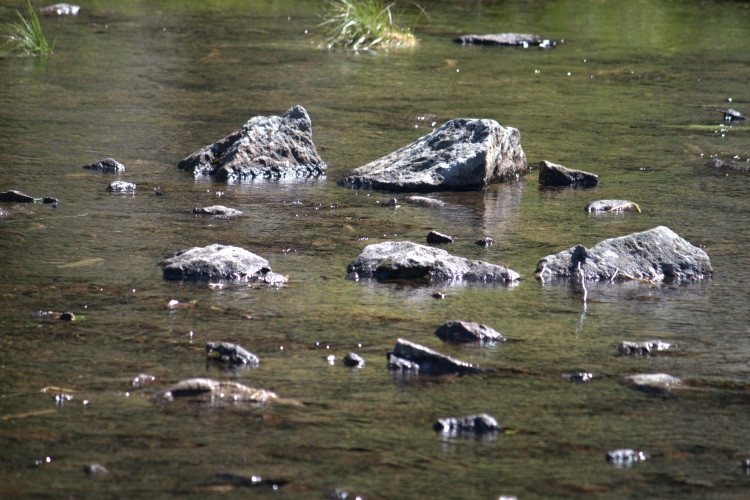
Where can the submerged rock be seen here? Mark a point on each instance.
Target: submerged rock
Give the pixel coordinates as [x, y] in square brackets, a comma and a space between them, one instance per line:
[218, 211]
[435, 237]
[16, 196]
[230, 356]
[653, 255]
[354, 360]
[625, 456]
[655, 383]
[266, 147]
[507, 39]
[108, 165]
[467, 426]
[465, 331]
[410, 356]
[628, 348]
[552, 174]
[95, 470]
[423, 201]
[485, 241]
[121, 187]
[219, 262]
[611, 206]
[579, 377]
[407, 260]
[61, 9]
[213, 391]
[463, 154]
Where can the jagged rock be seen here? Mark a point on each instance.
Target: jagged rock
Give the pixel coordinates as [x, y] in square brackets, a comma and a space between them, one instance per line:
[655, 383]
[423, 201]
[354, 360]
[121, 187]
[429, 362]
[463, 154]
[552, 174]
[61, 9]
[214, 391]
[465, 331]
[16, 196]
[219, 262]
[611, 206]
[641, 348]
[507, 39]
[471, 425]
[625, 456]
[654, 255]
[407, 260]
[218, 211]
[108, 165]
[485, 242]
[229, 355]
[435, 237]
[267, 147]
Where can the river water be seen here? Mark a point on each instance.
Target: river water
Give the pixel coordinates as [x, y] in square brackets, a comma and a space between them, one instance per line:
[150, 82]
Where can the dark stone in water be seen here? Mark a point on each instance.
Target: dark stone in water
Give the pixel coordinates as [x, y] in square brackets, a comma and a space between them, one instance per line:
[435, 237]
[625, 456]
[465, 331]
[67, 316]
[463, 154]
[108, 165]
[471, 425]
[95, 470]
[407, 260]
[579, 377]
[629, 348]
[64, 316]
[506, 39]
[230, 355]
[653, 255]
[485, 242]
[354, 360]
[218, 211]
[142, 380]
[429, 362]
[121, 187]
[16, 196]
[552, 174]
[49, 200]
[219, 262]
[266, 147]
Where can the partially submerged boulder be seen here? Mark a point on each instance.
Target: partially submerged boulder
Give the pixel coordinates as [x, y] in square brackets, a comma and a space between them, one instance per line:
[219, 262]
[218, 211]
[266, 147]
[468, 331]
[121, 187]
[463, 154]
[407, 260]
[108, 165]
[215, 391]
[654, 255]
[230, 356]
[552, 174]
[16, 196]
[507, 39]
[424, 201]
[437, 238]
[425, 360]
[611, 206]
[629, 348]
[472, 425]
[354, 360]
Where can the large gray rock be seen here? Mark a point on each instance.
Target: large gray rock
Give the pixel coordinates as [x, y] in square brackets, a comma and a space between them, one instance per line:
[267, 147]
[463, 154]
[219, 262]
[552, 174]
[654, 255]
[407, 260]
[407, 355]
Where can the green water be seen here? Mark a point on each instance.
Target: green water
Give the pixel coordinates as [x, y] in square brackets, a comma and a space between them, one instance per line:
[150, 82]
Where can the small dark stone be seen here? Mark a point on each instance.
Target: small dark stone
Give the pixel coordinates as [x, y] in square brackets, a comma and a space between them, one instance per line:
[485, 242]
[67, 316]
[47, 200]
[158, 191]
[436, 238]
[354, 360]
[121, 187]
[552, 174]
[438, 295]
[393, 202]
[230, 355]
[715, 163]
[16, 196]
[579, 377]
[473, 424]
[352, 276]
[95, 470]
[745, 464]
[108, 165]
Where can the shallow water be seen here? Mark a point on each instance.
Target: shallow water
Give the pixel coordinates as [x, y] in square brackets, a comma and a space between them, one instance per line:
[149, 84]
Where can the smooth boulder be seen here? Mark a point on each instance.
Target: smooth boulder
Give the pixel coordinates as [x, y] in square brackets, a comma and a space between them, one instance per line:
[425, 360]
[468, 331]
[266, 147]
[16, 196]
[218, 262]
[463, 154]
[407, 260]
[654, 255]
[552, 174]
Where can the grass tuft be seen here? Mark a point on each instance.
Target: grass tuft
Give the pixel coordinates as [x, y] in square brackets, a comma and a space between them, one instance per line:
[362, 24]
[26, 37]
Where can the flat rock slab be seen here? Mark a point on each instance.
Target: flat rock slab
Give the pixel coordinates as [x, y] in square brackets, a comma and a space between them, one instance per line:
[552, 174]
[468, 331]
[654, 255]
[425, 360]
[217, 262]
[215, 391]
[265, 148]
[601, 206]
[463, 154]
[108, 165]
[121, 187]
[407, 260]
[218, 211]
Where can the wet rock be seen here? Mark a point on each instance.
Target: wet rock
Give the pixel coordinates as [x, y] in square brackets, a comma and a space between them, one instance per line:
[64, 316]
[578, 378]
[428, 361]
[108, 165]
[393, 202]
[463, 426]
[729, 114]
[435, 237]
[655, 383]
[407, 260]
[49, 200]
[653, 255]
[67, 316]
[611, 206]
[438, 295]
[16, 196]
[121, 187]
[423, 201]
[552, 174]
[506, 39]
[266, 147]
[728, 165]
[215, 391]
[218, 262]
[465, 331]
[230, 356]
[354, 360]
[60, 9]
[339, 494]
[628, 348]
[218, 211]
[143, 380]
[95, 470]
[4, 213]
[485, 242]
[715, 163]
[625, 456]
[400, 364]
[463, 154]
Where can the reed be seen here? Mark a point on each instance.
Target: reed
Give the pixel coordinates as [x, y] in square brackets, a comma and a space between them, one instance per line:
[362, 24]
[26, 37]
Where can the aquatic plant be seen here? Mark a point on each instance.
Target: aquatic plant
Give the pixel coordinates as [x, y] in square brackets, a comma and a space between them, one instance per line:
[362, 24]
[26, 37]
